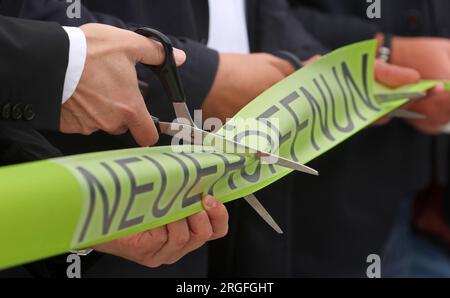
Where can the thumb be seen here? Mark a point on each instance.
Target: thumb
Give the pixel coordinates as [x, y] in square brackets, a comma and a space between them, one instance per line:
[312, 59]
[218, 216]
[282, 66]
[151, 52]
[395, 76]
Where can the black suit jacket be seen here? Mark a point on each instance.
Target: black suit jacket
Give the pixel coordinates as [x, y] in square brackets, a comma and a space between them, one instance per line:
[33, 59]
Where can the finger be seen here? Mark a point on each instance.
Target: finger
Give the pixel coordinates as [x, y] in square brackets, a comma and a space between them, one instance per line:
[395, 76]
[283, 66]
[436, 110]
[313, 59]
[151, 241]
[151, 52]
[178, 237]
[286, 68]
[142, 126]
[435, 107]
[200, 229]
[147, 245]
[180, 56]
[438, 90]
[218, 216]
[137, 247]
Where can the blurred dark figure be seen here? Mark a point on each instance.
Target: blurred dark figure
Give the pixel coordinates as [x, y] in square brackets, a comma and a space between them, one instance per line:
[361, 205]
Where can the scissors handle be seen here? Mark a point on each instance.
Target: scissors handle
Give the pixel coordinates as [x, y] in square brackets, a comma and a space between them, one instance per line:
[168, 71]
[157, 124]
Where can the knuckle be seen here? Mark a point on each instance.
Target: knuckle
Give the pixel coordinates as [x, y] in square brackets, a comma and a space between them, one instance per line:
[207, 234]
[135, 46]
[182, 239]
[134, 244]
[387, 73]
[161, 238]
[204, 234]
[160, 52]
[129, 112]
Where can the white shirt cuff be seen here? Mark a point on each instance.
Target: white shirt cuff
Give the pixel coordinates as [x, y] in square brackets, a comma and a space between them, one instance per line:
[77, 59]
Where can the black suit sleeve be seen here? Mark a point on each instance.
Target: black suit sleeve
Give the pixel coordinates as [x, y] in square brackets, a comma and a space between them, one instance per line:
[335, 30]
[33, 60]
[277, 28]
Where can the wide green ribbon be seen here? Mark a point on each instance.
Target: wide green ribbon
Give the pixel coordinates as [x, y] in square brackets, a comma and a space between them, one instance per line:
[50, 207]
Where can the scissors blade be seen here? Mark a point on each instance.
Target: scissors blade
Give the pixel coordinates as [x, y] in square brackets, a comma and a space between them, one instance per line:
[259, 208]
[238, 148]
[283, 162]
[386, 98]
[182, 112]
[266, 157]
[169, 129]
[405, 114]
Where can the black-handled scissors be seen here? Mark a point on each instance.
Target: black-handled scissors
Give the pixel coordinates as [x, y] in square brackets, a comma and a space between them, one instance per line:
[168, 74]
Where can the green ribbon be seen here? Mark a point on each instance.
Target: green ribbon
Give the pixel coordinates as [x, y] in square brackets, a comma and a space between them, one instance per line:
[51, 207]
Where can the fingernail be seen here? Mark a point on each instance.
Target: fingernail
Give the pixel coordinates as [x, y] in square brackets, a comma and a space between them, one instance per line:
[180, 56]
[211, 202]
